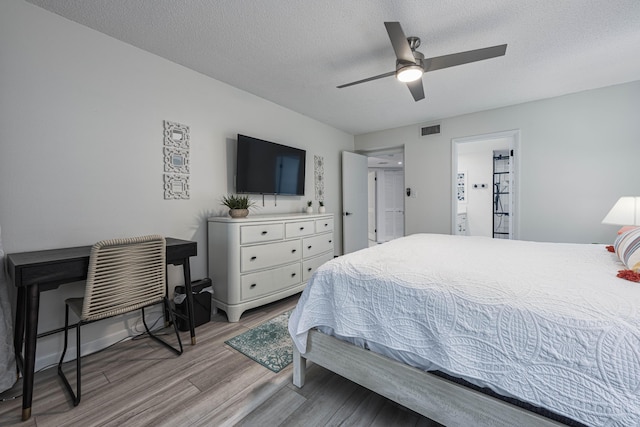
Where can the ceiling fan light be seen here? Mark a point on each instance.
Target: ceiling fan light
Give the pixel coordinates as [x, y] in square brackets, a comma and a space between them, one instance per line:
[409, 73]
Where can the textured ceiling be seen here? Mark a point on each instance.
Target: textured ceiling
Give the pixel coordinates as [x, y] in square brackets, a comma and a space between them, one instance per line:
[294, 53]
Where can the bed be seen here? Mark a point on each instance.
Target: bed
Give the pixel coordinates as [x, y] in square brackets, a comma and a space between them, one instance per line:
[542, 325]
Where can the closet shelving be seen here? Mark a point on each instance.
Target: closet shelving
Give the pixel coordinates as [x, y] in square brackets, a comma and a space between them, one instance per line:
[501, 201]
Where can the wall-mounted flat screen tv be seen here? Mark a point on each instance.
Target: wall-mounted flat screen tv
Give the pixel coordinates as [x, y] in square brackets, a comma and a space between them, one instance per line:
[264, 167]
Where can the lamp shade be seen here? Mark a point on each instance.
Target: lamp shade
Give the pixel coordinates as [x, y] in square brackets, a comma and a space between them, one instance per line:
[626, 211]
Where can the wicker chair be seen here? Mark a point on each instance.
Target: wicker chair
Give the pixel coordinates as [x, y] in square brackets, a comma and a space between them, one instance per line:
[124, 275]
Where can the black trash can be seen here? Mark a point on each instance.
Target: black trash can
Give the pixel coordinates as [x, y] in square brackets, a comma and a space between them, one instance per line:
[201, 290]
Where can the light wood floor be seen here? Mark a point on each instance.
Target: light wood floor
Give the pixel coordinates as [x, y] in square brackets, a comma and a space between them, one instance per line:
[140, 383]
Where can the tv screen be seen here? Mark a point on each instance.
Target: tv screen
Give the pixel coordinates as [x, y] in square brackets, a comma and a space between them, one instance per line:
[264, 167]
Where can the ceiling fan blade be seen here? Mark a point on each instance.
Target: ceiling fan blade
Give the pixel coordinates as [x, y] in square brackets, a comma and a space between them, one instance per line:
[399, 42]
[446, 61]
[391, 73]
[416, 89]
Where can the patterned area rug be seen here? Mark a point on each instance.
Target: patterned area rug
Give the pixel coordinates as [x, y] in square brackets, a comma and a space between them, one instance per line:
[269, 344]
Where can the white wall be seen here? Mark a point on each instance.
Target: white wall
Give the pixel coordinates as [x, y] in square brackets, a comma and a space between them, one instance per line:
[81, 147]
[578, 154]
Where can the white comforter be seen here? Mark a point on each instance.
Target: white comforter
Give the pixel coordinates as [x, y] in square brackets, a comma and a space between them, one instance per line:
[547, 323]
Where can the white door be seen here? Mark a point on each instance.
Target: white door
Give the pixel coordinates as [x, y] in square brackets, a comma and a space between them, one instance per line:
[372, 205]
[354, 202]
[394, 204]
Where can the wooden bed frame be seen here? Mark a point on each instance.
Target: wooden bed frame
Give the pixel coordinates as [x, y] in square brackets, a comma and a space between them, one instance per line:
[434, 397]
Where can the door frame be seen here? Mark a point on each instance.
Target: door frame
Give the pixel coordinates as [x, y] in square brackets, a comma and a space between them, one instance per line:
[380, 152]
[514, 144]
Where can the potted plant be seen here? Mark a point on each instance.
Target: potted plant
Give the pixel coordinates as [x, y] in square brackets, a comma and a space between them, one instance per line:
[321, 208]
[309, 206]
[238, 205]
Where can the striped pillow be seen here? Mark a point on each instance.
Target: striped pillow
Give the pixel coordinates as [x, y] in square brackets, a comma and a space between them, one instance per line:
[627, 247]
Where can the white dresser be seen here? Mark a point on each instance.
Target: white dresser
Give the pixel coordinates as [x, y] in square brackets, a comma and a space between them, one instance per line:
[263, 258]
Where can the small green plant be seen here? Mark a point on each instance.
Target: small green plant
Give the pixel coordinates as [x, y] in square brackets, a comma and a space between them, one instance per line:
[310, 203]
[233, 201]
[321, 203]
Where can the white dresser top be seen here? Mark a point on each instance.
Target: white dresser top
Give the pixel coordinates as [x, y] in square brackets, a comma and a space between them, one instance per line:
[271, 217]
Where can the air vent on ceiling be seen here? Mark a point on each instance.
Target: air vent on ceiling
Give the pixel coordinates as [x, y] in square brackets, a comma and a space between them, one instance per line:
[430, 130]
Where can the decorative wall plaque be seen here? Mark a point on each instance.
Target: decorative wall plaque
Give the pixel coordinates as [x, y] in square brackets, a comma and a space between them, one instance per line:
[318, 167]
[176, 186]
[176, 135]
[176, 160]
[461, 185]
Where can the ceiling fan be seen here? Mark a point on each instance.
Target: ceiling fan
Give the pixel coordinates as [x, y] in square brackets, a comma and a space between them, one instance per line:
[411, 64]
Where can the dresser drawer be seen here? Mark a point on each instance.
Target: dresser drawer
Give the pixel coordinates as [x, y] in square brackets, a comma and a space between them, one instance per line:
[323, 225]
[312, 246]
[298, 229]
[311, 265]
[254, 285]
[269, 255]
[261, 233]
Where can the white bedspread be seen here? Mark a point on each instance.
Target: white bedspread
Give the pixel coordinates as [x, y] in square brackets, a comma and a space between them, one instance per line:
[547, 323]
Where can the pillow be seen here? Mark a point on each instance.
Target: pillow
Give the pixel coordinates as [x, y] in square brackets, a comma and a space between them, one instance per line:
[627, 247]
[627, 228]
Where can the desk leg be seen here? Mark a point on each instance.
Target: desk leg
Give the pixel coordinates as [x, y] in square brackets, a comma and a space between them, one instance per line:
[32, 307]
[186, 270]
[18, 331]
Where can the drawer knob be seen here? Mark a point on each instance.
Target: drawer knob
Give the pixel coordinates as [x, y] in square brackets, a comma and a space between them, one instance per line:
[293, 274]
[309, 247]
[253, 258]
[301, 228]
[264, 233]
[293, 251]
[330, 241]
[253, 285]
[326, 225]
[309, 269]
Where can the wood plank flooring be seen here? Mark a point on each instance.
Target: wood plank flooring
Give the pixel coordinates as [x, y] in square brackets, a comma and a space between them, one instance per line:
[140, 383]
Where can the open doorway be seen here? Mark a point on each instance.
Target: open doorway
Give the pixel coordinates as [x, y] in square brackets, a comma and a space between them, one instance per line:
[385, 195]
[485, 185]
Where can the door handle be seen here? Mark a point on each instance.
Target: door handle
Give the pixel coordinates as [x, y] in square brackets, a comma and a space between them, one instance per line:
[347, 213]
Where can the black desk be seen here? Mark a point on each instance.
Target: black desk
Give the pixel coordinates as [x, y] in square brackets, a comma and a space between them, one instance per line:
[35, 272]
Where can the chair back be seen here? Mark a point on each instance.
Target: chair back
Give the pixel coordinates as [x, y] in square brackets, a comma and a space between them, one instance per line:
[124, 275]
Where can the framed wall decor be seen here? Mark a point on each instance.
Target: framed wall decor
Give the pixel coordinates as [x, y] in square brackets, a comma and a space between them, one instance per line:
[318, 166]
[176, 135]
[176, 160]
[176, 186]
[461, 185]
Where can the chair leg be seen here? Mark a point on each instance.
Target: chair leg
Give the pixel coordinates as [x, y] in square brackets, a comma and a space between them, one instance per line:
[167, 308]
[167, 305]
[74, 397]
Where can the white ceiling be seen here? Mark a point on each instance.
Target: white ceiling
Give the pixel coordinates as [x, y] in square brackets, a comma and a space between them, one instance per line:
[294, 53]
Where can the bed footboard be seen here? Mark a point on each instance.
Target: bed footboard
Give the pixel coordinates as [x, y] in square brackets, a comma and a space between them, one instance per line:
[436, 398]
